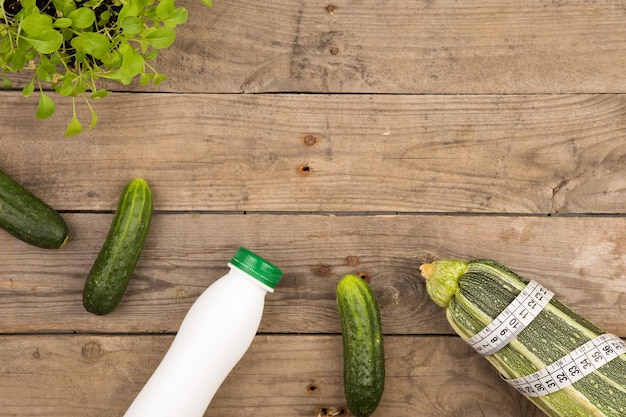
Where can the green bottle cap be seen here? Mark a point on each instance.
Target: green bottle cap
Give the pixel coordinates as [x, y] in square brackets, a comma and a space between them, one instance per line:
[257, 267]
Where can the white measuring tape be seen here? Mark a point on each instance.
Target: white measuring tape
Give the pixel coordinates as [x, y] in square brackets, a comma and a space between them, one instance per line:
[571, 367]
[522, 310]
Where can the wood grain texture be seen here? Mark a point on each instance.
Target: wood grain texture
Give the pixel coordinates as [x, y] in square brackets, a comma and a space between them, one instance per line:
[398, 46]
[299, 376]
[581, 259]
[478, 154]
[330, 137]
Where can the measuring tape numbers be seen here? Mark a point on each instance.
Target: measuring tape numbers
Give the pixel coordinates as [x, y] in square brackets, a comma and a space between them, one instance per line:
[515, 317]
[571, 367]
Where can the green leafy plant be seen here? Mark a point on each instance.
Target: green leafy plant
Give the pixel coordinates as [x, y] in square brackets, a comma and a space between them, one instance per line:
[68, 45]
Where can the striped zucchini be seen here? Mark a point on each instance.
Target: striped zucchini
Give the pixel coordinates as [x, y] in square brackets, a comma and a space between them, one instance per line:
[475, 292]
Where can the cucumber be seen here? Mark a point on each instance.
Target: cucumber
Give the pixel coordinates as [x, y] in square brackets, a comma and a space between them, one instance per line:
[363, 354]
[476, 292]
[112, 269]
[28, 218]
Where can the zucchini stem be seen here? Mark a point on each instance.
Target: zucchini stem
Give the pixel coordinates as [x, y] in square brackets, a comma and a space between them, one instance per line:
[442, 279]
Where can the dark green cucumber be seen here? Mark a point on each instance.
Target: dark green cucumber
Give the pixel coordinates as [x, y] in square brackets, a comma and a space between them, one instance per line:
[28, 218]
[110, 273]
[363, 354]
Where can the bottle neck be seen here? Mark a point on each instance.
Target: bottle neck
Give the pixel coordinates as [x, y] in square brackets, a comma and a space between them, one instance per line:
[238, 272]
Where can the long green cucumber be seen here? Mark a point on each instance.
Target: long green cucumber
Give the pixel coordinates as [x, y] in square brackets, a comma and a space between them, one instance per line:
[476, 292]
[112, 269]
[363, 354]
[28, 218]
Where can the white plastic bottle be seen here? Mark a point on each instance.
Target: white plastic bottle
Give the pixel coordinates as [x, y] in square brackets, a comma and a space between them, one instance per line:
[213, 337]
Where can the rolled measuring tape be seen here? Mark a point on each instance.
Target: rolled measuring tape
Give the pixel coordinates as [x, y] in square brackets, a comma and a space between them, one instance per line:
[512, 320]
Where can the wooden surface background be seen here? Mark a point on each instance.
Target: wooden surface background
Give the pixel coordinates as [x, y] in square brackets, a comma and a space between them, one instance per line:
[330, 137]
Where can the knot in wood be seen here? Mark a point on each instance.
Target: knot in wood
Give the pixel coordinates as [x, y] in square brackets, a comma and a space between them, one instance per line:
[324, 270]
[352, 260]
[310, 140]
[91, 351]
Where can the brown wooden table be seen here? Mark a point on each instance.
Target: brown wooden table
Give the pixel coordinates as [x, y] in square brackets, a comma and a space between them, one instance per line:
[330, 138]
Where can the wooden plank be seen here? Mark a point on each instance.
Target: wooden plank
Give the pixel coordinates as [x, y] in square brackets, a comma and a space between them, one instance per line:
[403, 46]
[482, 154]
[581, 259]
[71, 376]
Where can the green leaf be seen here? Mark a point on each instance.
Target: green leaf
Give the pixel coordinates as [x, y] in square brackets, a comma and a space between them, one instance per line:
[94, 44]
[28, 89]
[74, 127]
[18, 60]
[67, 33]
[158, 79]
[143, 44]
[161, 38]
[45, 40]
[132, 65]
[31, 54]
[151, 55]
[82, 18]
[46, 69]
[29, 6]
[131, 25]
[104, 18]
[101, 93]
[5, 44]
[54, 59]
[177, 17]
[46, 72]
[64, 6]
[80, 55]
[47, 46]
[146, 78]
[22, 45]
[63, 22]
[112, 59]
[67, 88]
[167, 11]
[141, 4]
[37, 24]
[92, 3]
[129, 9]
[208, 3]
[6, 83]
[46, 106]
[164, 9]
